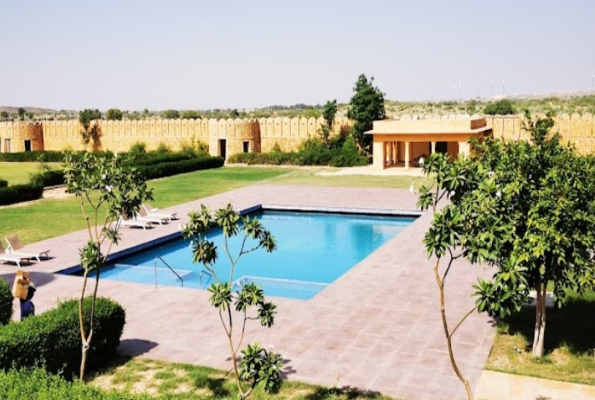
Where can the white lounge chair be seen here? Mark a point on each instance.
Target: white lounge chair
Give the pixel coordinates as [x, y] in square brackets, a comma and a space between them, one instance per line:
[7, 257]
[143, 215]
[131, 222]
[154, 212]
[15, 247]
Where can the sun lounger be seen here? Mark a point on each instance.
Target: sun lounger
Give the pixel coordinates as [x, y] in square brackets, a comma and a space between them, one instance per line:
[16, 248]
[143, 215]
[154, 213]
[131, 222]
[7, 257]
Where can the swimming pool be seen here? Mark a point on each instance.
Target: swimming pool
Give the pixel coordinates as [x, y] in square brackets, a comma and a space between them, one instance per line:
[313, 250]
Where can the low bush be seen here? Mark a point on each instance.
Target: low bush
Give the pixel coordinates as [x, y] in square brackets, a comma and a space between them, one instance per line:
[5, 303]
[338, 152]
[3, 183]
[48, 178]
[179, 167]
[38, 384]
[53, 339]
[19, 193]
[33, 156]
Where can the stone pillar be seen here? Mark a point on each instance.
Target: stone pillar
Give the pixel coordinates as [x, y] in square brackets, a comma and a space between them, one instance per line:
[433, 144]
[407, 152]
[464, 149]
[391, 153]
[379, 156]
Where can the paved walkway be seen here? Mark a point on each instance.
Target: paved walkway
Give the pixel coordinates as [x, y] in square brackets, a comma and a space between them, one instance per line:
[499, 386]
[377, 328]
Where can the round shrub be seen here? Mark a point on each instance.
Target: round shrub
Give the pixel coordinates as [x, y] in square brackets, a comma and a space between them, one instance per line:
[3, 183]
[53, 339]
[5, 302]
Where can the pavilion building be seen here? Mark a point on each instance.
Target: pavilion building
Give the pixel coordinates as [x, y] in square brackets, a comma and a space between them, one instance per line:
[401, 143]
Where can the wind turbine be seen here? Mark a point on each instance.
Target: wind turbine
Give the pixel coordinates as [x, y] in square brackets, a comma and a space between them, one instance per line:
[459, 89]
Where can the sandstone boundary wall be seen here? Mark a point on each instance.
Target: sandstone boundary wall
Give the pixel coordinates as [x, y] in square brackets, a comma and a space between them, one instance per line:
[237, 135]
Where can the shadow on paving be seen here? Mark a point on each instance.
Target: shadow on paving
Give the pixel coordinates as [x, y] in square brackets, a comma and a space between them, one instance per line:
[40, 278]
[135, 347]
[572, 325]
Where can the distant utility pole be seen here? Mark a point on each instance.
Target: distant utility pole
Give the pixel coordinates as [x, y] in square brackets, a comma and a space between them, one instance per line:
[503, 88]
[460, 90]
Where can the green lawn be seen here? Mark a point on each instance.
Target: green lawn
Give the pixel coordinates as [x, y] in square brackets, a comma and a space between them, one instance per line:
[185, 382]
[569, 343]
[48, 218]
[18, 173]
[308, 177]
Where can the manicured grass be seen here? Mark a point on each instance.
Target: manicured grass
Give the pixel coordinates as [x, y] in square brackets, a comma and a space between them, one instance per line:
[48, 218]
[184, 382]
[569, 343]
[308, 177]
[19, 173]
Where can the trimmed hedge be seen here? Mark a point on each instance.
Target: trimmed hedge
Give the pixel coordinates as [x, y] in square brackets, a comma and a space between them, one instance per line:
[33, 156]
[48, 178]
[5, 303]
[19, 193]
[53, 339]
[152, 158]
[38, 384]
[3, 183]
[173, 168]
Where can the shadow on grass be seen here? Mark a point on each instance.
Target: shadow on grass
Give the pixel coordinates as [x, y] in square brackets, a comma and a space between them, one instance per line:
[571, 326]
[346, 392]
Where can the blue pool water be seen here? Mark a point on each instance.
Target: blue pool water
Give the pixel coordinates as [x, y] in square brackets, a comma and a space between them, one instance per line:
[313, 251]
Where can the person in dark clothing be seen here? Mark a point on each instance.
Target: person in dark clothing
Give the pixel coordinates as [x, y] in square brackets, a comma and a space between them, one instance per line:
[27, 306]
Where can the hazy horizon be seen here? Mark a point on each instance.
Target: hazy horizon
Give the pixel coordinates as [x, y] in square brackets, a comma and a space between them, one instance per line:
[194, 55]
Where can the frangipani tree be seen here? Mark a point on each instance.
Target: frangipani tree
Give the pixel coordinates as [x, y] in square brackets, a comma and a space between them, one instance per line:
[257, 366]
[548, 208]
[106, 191]
[526, 208]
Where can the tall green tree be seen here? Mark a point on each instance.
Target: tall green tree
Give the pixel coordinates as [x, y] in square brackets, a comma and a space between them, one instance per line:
[107, 190]
[21, 112]
[90, 130]
[4, 116]
[114, 114]
[256, 366]
[366, 106]
[328, 113]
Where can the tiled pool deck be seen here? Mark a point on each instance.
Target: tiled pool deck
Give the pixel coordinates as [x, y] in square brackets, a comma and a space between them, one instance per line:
[377, 328]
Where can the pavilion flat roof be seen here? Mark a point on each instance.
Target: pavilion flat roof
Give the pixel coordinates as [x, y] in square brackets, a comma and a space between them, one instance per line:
[430, 127]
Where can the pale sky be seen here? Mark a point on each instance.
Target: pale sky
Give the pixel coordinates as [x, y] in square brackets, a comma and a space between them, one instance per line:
[184, 54]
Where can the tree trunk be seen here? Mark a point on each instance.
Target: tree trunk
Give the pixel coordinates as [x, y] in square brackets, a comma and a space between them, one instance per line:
[85, 350]
[540, 312]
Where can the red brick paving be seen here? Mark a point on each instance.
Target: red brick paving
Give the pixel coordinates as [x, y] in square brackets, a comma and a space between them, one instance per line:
[376, 328]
